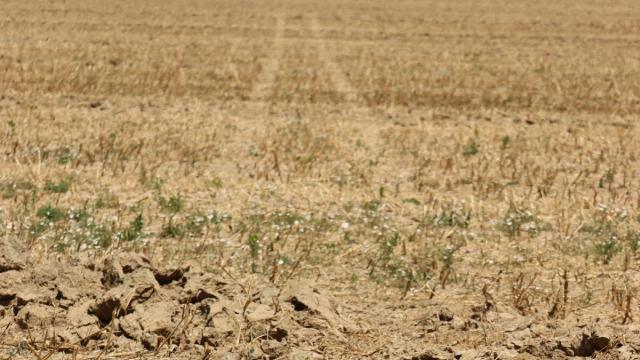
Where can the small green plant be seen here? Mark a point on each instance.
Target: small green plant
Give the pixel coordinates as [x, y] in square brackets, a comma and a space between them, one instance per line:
[100, 203]
[37, 228]
[607, 178]
[518, 220]
[453, 218]
[196, 223]
[12, 127]
[253, 151]
[59, 187]
[412, 201]
[65, 156]
[504, 142]
[91, 234]
[286, 219]
[372, 205]
[79, 215]
[134, 230]
[606, 234]
[172, 205]
[633, 239]
[607, 248]
[51, 213]
[447, 256]
[106, 200]
[353, 278]
[214, 183]
[471, 148]
[387, 248]
[393, 266]
[100, 236]
[170, 230]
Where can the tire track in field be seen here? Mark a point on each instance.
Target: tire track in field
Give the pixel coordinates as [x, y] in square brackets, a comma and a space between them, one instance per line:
[338, 77]
[270, 65]
[236, 50]
[233, 48]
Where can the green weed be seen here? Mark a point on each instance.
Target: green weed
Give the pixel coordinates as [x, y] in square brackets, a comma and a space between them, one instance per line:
[518, 220]
[471, 148]
[51, 213]
[59, 187]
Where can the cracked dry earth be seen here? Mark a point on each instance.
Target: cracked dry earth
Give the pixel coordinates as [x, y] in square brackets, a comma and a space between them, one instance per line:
[124, 306]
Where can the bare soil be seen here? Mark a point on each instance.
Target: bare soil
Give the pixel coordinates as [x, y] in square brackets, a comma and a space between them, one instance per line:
[265, 179]
[123, 306]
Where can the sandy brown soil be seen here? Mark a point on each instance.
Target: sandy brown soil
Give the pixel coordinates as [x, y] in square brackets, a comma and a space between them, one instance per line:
[125, 307]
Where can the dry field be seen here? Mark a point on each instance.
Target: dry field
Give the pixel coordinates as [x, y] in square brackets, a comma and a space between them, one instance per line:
[306, 180]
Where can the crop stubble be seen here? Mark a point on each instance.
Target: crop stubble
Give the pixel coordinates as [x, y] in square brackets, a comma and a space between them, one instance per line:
[454, 179]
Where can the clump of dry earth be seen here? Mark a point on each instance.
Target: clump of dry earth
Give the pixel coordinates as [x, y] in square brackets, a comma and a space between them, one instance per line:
[125, 306]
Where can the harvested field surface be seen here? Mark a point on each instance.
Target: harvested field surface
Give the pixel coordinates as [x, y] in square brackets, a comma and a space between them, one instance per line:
[319, 180]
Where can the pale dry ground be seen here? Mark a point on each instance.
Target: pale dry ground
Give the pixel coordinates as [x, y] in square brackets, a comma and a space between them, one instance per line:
[455, 176]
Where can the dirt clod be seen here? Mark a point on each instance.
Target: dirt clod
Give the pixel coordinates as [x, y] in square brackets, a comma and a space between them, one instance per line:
[304, 298]
[588, 344]
[126, 301]
[112, 274]
[445, 315]
[166, 276]
[12, 254]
